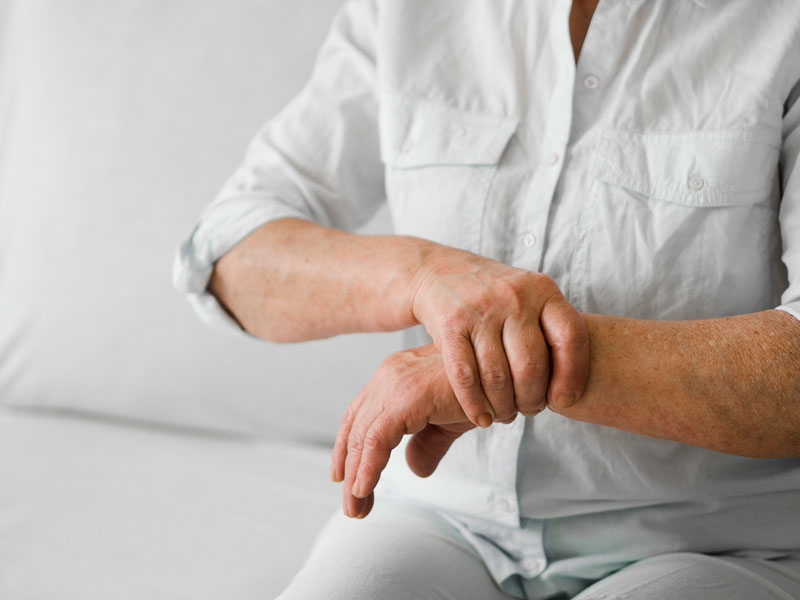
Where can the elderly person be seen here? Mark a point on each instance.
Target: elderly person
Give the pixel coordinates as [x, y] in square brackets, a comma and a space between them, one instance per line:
[598, 213]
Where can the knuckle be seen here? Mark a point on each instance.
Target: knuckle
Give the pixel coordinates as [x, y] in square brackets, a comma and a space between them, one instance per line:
[390, 419]
[355, 443]
[393, 362]
[494, 379]
[517, 292]
[373, 442]
[396, 417]
[383, 435]
[463, 375]
[528, 371]
[545, 283]
[454, 325]
[483, 300]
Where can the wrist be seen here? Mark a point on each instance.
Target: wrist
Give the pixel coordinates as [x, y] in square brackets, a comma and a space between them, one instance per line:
[423, 270]
[390, 281]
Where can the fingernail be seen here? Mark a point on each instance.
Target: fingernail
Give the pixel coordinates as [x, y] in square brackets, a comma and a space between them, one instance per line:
[490, 410]
[357, 491]
[333, 473]
[485, 420]
[565, 400]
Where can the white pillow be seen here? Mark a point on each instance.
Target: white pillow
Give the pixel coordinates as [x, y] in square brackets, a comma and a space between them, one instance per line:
[127, 116]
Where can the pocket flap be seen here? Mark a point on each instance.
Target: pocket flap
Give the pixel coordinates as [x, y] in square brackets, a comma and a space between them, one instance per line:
[417, 132]
[695, 169]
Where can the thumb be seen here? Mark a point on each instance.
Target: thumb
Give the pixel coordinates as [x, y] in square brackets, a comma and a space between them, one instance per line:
[428, 447]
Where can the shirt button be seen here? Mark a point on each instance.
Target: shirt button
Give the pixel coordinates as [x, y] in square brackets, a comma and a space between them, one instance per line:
[696, 183]
[552, 159]
[529, 240]
[534, 565]
[591, 82]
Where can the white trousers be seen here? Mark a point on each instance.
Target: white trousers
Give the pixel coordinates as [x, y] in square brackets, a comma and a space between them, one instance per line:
[406, 553]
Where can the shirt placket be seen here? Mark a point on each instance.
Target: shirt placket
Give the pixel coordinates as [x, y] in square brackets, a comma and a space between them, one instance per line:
[594, 76]
[597, 63]
[503, 449]
[530, 249]
[575, 100]
[541, 189]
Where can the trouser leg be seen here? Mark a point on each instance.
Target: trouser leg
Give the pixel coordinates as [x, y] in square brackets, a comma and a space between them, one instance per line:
[687, 576]
[399, 552]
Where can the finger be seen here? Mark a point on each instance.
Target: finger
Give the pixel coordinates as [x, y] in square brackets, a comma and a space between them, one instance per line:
[462, 372]
[566, 333]
[353, 507]
[529, 361]
[426, 449]
[340, 446]
[362, 420]
[383, 436]
[495, 373]
[369, 502]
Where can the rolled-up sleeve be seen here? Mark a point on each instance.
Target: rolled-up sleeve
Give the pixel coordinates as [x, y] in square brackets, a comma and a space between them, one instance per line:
[318, 160]
[790, 203]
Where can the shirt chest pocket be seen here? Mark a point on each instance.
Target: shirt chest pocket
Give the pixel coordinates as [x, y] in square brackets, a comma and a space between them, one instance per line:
[681, 226]
[440, 163]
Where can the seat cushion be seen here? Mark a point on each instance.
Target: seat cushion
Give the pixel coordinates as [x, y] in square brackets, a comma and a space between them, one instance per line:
[95, 509]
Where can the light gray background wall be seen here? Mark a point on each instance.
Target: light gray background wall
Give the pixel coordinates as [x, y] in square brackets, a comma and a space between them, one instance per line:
[126, 118]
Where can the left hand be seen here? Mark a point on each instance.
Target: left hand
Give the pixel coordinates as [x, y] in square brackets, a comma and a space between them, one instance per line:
[510, 340]
[409, 394]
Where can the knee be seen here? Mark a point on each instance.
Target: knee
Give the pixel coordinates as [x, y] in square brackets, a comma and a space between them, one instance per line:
[397, 555]
[357, 576]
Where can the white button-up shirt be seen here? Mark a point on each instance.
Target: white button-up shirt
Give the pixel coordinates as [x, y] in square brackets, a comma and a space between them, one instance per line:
[659, 178]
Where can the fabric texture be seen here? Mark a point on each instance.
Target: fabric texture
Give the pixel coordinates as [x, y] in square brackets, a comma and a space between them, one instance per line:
[657, 179]
[118, 121]
[96, 509]
[400, 551]
[404, 551]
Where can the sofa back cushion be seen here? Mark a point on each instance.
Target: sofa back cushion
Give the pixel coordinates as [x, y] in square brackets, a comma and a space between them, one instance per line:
[119, 121]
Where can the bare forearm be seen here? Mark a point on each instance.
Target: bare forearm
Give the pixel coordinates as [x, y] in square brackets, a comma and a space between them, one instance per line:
[292, 280]
[731, 385]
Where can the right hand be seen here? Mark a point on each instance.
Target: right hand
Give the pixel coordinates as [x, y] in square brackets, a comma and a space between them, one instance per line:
[510, 340]
[409, 395]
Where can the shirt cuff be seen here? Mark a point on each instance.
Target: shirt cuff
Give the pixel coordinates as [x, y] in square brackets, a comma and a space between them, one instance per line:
[793, 308]
[221, 228]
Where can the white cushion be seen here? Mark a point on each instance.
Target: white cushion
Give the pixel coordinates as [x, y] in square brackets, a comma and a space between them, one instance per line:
[127, 116]
[94, 510]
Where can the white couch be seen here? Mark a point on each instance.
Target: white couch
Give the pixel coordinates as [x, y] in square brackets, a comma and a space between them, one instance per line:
[142, 455]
